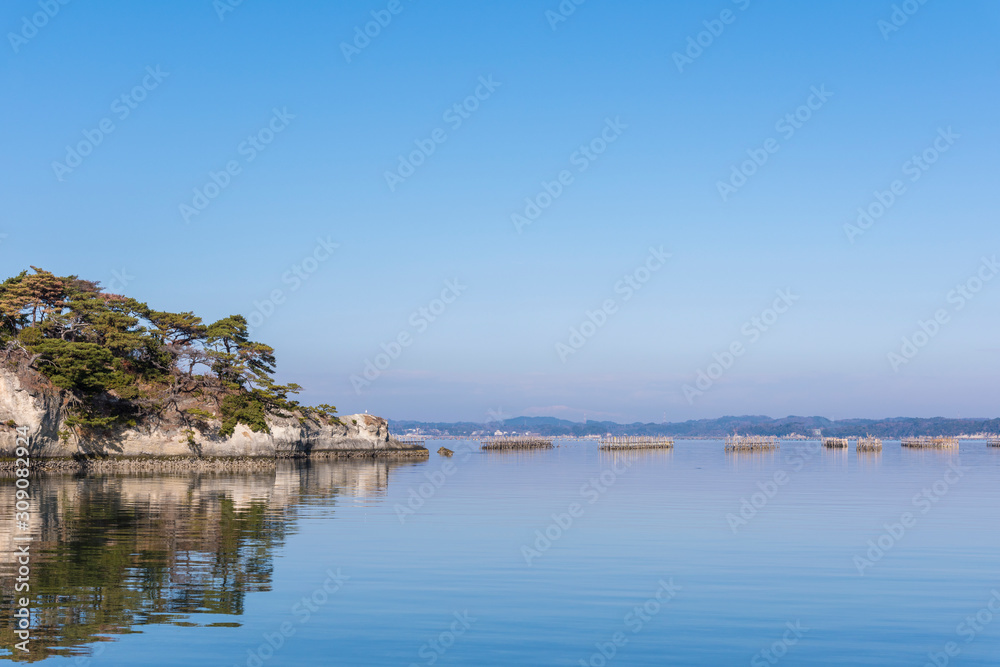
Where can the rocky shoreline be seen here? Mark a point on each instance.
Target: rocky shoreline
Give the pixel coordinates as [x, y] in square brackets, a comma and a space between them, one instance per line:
[120, 464]
[28, 407]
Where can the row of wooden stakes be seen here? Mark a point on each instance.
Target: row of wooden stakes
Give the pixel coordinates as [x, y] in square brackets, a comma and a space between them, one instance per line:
[749, 443]
[866, 444]
[636, 442]
[926, 442]
[506, 442]
[732, 442]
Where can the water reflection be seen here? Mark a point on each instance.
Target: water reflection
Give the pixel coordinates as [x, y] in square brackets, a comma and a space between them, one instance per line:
[625, 457]
[869, 460]
[516, 455]
[110, 553]
[756, 459]
[836, 457]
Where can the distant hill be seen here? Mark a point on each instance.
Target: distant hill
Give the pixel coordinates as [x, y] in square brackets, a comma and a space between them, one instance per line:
[892, 428]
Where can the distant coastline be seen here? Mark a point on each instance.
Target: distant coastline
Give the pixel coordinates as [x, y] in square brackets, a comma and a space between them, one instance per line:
[792, 427]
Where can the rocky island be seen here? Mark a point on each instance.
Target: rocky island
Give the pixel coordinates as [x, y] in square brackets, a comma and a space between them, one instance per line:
[90, 376]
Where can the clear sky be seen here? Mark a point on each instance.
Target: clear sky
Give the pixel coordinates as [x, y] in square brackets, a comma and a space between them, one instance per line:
[121, 120]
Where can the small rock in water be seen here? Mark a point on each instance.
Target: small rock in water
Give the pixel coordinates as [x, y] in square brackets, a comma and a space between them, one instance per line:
[444, 451]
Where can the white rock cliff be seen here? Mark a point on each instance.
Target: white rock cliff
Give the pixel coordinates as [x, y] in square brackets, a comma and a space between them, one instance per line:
[24, 401]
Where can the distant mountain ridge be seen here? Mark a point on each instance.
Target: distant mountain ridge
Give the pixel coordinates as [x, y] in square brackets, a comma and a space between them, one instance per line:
[892, 428]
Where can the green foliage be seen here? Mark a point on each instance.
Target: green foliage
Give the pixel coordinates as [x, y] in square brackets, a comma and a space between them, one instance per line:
[82, 367]
[325, 411]
[13, 301]
[30, 336]
[93, 422]
[124, 387]
[30, 298]
[176, 328]
[243, 409]
[118, 358]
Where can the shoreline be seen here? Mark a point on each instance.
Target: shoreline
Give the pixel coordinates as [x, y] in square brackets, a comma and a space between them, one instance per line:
[145, 463]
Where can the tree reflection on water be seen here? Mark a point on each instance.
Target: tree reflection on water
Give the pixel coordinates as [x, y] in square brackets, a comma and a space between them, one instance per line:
[111, 553]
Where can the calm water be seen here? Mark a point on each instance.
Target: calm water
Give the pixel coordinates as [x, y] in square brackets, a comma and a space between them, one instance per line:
[375, 563]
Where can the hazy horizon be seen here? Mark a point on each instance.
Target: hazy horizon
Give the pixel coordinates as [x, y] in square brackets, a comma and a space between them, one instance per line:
[504, 417]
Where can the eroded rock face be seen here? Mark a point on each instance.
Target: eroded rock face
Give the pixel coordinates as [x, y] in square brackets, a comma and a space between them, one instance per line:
[28, 404]
[26, 401]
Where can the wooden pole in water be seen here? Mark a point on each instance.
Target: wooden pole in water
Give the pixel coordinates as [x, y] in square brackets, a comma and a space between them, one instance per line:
[927, 442]
[869, 444]
[738, 442]
[515, 442]
[637, 442]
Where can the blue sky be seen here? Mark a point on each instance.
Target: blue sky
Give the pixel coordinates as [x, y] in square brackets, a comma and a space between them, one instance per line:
[328, 130]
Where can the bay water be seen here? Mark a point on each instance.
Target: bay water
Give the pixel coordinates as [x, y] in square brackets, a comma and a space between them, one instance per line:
[569, 556]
